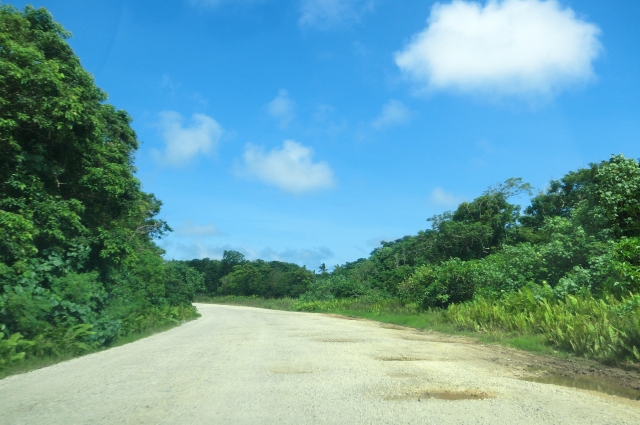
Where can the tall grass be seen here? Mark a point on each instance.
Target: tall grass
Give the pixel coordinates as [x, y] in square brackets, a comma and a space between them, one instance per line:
[606, 329]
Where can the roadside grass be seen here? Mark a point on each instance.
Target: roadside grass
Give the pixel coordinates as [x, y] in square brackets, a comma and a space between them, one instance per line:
[31, 363]
[431, 321]
[395, 313]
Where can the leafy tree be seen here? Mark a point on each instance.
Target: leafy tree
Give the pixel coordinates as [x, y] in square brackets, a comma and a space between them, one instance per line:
[477, 227]
[182, 283]
[77, 250]
[604, 199]
[273, 279]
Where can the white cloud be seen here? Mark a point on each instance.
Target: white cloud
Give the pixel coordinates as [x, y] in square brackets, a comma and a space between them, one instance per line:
[394, 112]
[290, 168]
[509, 47]
[329, 13]
[191, 228]
[443, 198]
[184, 143]
[282, 108]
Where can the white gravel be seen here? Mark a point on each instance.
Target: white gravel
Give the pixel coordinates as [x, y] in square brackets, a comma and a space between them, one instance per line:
[239, 365]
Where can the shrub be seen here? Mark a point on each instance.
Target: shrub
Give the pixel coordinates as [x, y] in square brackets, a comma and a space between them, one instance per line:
[438, 286]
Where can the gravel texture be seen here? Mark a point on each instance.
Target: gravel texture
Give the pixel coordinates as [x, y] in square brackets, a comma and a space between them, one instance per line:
[240, 365]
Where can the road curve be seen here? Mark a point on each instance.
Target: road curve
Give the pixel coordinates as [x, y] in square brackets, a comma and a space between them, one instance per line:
[239, 365]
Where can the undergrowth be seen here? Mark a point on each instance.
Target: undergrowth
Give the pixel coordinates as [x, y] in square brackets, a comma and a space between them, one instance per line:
[18, 354]
[607, 329]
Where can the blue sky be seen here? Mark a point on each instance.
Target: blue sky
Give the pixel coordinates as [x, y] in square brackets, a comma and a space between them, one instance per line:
[309, 130]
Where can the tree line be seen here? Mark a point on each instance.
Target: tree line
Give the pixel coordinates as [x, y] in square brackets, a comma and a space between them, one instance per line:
[79, 265]
[581, 234]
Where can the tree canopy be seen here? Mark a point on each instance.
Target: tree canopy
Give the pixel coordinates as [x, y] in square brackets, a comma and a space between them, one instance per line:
[76, 229]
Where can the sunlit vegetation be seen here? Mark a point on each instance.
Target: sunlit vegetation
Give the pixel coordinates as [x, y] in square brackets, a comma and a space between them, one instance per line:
[79, 268]
[567, 268]
[565, 271]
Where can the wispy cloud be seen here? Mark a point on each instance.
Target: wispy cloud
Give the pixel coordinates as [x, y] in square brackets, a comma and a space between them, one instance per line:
[393, 113]
[506, 47]
[330, 13]
[191, 228]
[212, 4]
[183, 143]
[282, 108]
[291, 168]
[311, 257]
[442, 198]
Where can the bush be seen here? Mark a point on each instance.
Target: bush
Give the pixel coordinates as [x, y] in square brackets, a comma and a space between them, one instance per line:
[327, 288]
[438, 286]
[182, 283]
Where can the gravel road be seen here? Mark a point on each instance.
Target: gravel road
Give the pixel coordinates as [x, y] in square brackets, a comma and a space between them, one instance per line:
[240, 365]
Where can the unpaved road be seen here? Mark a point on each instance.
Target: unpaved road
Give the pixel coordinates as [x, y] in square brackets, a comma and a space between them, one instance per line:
[238, 365]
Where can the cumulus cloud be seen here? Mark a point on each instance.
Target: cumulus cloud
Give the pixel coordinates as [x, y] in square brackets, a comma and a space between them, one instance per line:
[442, 198]
[191, 228]
[282, 108]
[393, 113]
[290, 168]
[505, 47]
[183, 143]
[329, 13]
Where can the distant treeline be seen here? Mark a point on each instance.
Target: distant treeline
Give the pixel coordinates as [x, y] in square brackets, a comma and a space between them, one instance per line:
[234, 275]
[580, 234]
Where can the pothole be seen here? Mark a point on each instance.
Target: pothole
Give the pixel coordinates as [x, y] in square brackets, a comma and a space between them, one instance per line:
[586, 383]
[400, 358]
[450, 395]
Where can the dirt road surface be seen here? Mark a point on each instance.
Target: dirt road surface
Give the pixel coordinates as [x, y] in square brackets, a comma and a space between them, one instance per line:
[239, 365]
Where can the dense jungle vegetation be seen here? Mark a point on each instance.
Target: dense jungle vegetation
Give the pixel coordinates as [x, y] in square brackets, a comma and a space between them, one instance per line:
[79, 268]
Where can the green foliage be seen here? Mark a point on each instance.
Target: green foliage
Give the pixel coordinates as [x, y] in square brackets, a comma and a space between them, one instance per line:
[604, 199]
[77, 253]
[214, 270]
[438, 286]
[475, 228]
[620, 270]
[273, 279]
[330, 287]
[605, 329]
[182, 283]
[12, 349]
